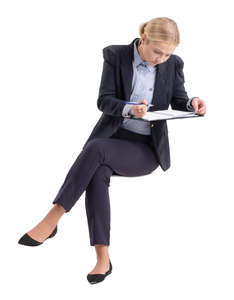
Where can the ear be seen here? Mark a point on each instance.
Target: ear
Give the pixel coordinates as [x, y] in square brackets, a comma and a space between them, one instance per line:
[143, 38]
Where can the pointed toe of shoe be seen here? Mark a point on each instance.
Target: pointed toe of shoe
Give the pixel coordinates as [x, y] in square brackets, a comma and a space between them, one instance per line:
[28, 241]
[95, 278]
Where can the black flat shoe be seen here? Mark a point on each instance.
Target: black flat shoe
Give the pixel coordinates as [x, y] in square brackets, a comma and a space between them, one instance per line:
[95, 278]
[28, 241]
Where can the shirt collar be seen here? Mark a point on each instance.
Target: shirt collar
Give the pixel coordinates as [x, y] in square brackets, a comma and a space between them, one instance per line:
[138, 60]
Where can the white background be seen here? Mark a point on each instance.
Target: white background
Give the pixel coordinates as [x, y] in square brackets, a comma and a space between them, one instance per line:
[171, 232]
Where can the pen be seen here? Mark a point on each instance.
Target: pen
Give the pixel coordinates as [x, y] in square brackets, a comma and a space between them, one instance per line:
[137, 103]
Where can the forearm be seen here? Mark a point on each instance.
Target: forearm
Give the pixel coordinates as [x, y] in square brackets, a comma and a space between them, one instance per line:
[110, 105]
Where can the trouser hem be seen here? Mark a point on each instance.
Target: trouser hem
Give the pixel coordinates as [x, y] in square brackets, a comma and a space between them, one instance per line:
[64, 206]
[99, 242]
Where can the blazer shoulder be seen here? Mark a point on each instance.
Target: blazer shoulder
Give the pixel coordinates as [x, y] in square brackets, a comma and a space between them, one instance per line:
[178, 61]
[112, 52]
[179, 65]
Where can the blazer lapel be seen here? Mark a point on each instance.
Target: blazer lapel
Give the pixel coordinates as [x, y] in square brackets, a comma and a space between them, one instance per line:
[160, 85]
[127, 69]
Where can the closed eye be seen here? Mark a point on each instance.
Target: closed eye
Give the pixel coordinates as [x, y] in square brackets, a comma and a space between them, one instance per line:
[157, 52]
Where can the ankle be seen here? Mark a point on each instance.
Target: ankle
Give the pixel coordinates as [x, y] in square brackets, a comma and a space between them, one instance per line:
[53, 216]
[102, 253]
[57, 210]
[103, 258]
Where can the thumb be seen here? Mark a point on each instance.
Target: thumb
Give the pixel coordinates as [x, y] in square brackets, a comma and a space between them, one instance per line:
[144, 101]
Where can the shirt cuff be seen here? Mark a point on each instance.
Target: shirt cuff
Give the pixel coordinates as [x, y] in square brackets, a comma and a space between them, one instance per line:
[189, 104]
[127, 110]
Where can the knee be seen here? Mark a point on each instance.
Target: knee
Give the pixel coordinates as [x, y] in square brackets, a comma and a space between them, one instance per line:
[103, 174]
[94, 145]
[97, 145]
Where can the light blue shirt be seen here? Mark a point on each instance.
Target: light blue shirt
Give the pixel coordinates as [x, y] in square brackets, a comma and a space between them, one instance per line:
[143, 82]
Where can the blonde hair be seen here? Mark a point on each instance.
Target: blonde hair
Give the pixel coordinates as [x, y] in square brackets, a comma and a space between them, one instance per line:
[160, 30]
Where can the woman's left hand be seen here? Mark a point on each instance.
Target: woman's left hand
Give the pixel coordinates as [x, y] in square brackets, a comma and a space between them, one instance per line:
[199, 106]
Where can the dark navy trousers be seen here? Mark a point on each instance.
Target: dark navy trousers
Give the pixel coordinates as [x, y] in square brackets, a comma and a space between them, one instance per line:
[125, 153]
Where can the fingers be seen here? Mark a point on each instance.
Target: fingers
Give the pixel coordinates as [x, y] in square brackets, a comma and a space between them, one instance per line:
[139, 110]
[199, 106]
[144, 101]
[202, 110]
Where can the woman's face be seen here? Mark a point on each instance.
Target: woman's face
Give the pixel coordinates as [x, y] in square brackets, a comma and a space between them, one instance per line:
[155, 52]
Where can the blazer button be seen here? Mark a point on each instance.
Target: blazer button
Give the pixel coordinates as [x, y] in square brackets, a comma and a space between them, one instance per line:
[152, 125]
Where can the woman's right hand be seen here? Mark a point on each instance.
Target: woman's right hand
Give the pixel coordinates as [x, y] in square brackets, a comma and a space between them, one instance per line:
[140, 110]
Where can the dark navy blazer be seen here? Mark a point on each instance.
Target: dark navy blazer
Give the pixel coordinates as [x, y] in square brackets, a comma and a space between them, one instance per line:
[115, 88]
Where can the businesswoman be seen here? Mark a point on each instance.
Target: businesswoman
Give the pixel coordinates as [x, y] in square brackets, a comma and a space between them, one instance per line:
[145, 71]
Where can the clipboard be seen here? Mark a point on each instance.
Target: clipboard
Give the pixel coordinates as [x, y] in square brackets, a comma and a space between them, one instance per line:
[169, 114]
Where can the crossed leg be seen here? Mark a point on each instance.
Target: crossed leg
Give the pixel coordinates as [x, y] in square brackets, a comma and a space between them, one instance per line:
[91, 171]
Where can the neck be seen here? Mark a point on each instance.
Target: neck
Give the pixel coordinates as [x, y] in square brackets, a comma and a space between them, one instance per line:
[139, 50]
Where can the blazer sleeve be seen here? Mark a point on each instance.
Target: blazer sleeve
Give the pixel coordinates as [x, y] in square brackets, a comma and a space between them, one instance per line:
[180, 98]
[107, 101]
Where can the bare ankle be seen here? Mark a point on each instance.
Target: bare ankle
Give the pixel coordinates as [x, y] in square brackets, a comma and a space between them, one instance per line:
[59, 208]
[103, 259]
[102, 252]
[53, 216]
